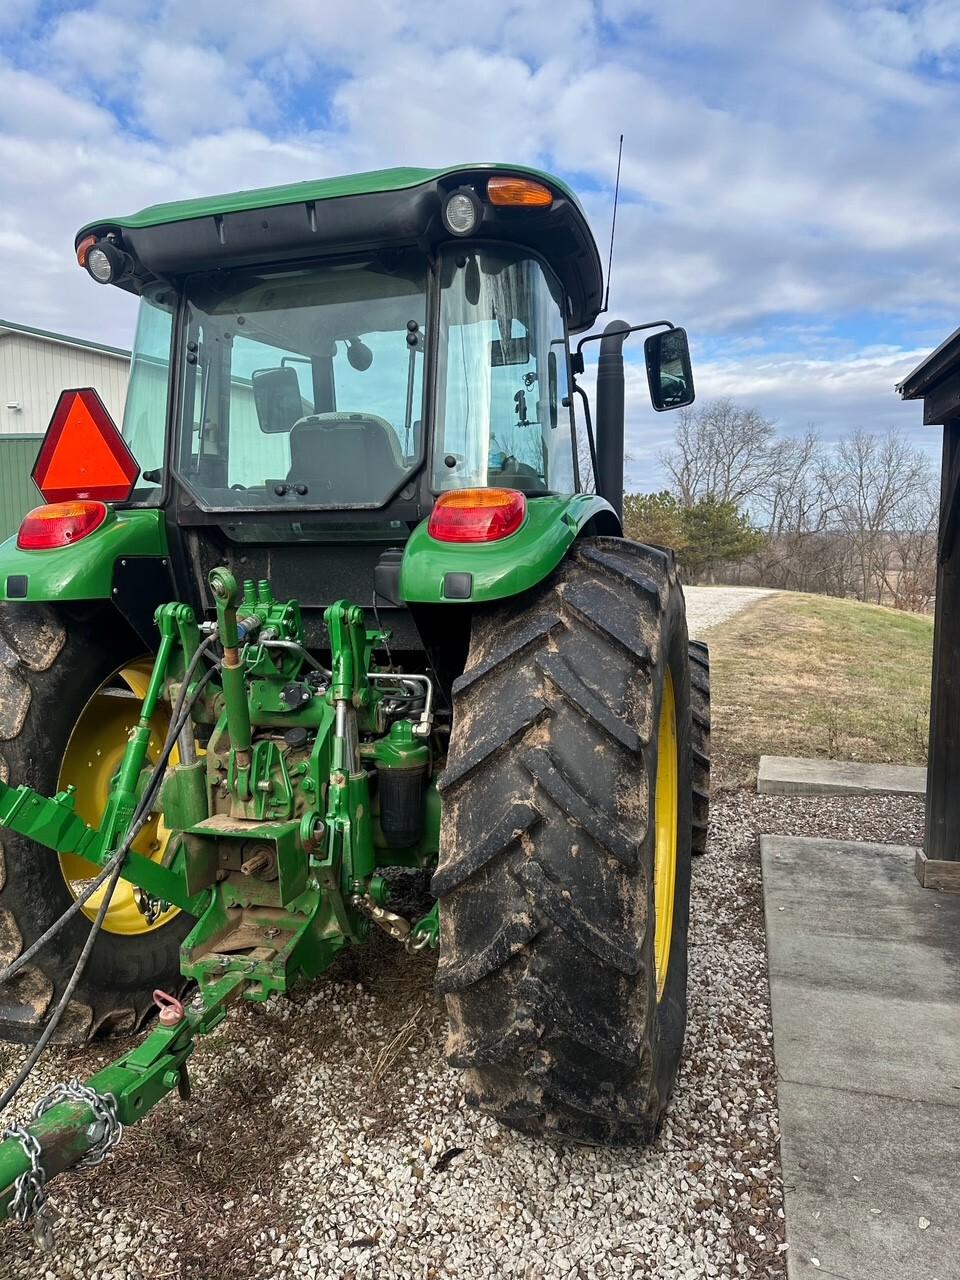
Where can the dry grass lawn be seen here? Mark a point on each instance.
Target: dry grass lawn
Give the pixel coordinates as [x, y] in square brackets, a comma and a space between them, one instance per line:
[805, 675]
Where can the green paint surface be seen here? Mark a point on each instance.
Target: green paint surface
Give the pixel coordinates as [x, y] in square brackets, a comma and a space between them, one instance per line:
[503, 568]
[315, 896]
[354, 184]
[84, 571]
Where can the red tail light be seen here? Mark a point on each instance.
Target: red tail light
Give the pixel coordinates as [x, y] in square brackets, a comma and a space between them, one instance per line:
[477, 515]
[59, 524]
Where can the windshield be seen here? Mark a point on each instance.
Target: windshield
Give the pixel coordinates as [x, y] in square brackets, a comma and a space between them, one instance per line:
[304, 387]
[503, 403]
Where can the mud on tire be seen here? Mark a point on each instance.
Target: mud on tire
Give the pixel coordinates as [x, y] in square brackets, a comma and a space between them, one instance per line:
[547, 850]
[52, 664]
[700, 743]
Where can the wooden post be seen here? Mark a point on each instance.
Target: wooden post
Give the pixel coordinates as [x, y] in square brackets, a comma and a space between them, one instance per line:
[942, 842]
[936, 381]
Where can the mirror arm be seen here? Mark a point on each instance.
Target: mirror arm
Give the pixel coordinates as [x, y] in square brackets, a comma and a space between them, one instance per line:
[588, 417]
[577, 357]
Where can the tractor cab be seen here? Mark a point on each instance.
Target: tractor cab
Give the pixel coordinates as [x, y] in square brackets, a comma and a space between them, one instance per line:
[306, 388]
[326, 363]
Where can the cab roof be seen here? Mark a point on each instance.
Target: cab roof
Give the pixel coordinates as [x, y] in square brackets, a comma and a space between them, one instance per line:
[356, 212]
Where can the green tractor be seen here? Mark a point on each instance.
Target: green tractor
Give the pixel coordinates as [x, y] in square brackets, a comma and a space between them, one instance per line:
[339, 633]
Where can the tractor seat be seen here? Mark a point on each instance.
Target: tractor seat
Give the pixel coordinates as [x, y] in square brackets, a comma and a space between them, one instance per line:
[345, 457]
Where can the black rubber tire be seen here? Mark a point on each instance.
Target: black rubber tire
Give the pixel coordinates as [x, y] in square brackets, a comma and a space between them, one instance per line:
[545, 877]
[56, 662]
[700, 743]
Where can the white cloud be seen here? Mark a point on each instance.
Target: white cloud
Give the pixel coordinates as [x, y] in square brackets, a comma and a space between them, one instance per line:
[33, 108]
[787, 169]
[185, 91]
[432, 106]
[94, 45]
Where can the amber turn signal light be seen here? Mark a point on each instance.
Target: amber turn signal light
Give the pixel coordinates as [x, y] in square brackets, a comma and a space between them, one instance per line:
[519, 191]
[84, 247]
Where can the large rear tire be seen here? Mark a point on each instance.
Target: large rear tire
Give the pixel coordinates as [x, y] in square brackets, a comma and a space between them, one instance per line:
[58, 665]
[564, 872]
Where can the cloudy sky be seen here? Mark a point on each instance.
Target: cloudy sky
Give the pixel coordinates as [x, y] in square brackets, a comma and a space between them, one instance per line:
[790, 174]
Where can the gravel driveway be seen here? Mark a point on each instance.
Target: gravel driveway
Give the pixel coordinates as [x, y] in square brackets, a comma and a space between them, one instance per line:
[709, 606]
[327, 1138]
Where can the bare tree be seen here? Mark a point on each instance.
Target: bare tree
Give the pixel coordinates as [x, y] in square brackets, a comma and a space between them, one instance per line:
[723, 451]
[910, 574]
[794, 513]
[858, 519]
[875, 483]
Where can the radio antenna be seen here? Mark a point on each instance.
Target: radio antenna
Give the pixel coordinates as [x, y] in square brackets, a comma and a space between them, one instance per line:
[613, 228]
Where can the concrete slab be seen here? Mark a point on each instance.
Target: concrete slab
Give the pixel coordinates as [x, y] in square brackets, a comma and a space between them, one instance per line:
[860, 1172]
[797, 776]
[865, 990]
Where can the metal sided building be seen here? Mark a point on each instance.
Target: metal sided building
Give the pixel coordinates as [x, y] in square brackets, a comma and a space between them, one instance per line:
[35, 366]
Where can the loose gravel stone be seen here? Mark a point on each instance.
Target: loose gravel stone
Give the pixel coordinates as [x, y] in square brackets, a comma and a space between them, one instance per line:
[709, 606]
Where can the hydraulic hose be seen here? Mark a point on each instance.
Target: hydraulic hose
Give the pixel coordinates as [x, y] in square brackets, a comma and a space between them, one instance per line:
[113, 870]
[136, 822]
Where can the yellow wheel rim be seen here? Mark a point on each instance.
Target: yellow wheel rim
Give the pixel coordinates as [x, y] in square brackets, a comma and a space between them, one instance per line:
[92, 758]
[665, 824]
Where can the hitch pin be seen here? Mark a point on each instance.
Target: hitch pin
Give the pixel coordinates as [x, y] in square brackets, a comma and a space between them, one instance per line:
[171, 1009]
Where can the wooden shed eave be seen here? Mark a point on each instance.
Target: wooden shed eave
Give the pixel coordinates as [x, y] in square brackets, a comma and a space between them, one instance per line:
[940, 364]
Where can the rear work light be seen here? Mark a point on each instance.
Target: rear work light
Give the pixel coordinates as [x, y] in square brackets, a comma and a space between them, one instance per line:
[519, 191]
[105, 261]
[462, 212]
[477, 515]
[59, 525]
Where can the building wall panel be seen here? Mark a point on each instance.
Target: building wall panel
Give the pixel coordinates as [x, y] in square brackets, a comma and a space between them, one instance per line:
[33, 372]
[17, 491]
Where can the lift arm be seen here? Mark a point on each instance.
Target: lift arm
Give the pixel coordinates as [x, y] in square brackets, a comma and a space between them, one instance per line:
[89, 1120]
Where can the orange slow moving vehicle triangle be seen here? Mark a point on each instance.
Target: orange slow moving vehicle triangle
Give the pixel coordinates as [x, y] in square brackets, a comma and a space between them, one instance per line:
[83, 455]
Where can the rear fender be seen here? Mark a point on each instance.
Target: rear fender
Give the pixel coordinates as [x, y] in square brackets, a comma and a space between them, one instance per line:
[436, 572]
[125, 561]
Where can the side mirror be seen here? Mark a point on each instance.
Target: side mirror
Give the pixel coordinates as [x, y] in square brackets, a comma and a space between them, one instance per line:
[669, 374]
[276, 394]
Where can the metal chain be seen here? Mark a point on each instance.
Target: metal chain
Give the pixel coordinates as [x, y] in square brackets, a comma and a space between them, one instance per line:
[29, 1190]
[414, 937]
[104, 1108]
[29, 1196]
[149, 907]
